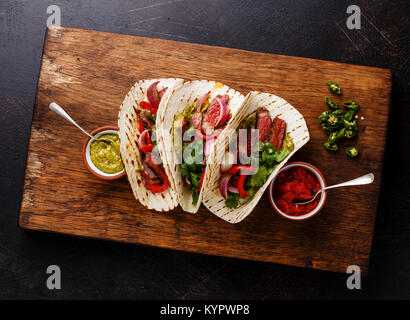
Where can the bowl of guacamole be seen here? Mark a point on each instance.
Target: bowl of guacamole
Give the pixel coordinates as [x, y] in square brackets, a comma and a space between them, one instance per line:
[102, 158]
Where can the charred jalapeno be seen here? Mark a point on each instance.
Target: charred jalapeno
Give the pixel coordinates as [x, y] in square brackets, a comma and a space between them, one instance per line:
[326, 128]
[349, 133]
[332, 137]
[349, 115]
[351, 105]
[331, 104]
[338, 124]
[335, 119]
[350, 124]
[330, 146]
[352, 152]
[341, 133]
[323, 116]
[350, 128]
[334, 87]
[336, 135]
[337, 112]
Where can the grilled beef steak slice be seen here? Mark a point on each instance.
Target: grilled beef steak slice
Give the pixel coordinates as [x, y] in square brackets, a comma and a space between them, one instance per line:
[148, 123]
[196, 120]
[208, 128]
[153, 162]
[212, 115]
[277, 132]
[263, 124]
[149, 175]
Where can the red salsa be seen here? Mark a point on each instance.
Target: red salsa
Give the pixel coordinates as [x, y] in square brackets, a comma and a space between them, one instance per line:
[296, 183]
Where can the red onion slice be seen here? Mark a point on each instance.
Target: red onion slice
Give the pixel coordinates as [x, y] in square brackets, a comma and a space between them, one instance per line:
[209, 144]
[148, 174]
[152, 95]
[161, 93]
[223, 186]
[142, 140]
[232, 189]
[227, 162]
[223, 113]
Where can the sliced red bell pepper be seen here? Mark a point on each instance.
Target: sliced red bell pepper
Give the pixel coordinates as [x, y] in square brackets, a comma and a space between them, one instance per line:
[146, 105]
[241, 182]
[200, 135]
[243, 168]
[158, 188]
[140, 124]
[148, 139]
[153, 111]
[147, 148]
[202, 180]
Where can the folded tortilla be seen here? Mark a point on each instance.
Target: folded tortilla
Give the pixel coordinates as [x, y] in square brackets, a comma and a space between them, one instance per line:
[174, 104]
[296, 128]
[131, 155]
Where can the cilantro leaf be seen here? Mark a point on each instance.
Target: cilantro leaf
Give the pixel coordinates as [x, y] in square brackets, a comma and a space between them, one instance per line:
[185, 170]
[195, 196]
[259, 178]
[195, 179]
[153, 117]
[232, 201]
[251, 193]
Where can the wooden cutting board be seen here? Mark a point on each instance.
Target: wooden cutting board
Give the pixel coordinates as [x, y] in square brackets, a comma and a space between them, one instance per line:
[90, 72]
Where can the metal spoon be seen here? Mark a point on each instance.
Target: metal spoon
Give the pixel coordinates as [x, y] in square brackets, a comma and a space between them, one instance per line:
[60, 111]
[366, 179]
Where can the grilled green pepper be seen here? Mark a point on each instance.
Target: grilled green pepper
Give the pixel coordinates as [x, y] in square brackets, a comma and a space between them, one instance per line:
[352, 152]
[351, 105]
[331, 104]
[334, 87]
[330, 146]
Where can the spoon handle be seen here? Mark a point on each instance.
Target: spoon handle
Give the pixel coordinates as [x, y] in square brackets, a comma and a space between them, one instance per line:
[60, 111]
[366, 179]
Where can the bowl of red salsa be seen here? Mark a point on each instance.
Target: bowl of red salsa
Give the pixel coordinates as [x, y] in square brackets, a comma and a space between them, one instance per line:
[297, 181]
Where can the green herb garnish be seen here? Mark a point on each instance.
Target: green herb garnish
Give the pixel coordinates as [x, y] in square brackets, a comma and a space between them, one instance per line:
[232, 201]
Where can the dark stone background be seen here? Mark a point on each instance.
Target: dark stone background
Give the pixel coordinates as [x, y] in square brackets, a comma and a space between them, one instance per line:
[97, 269]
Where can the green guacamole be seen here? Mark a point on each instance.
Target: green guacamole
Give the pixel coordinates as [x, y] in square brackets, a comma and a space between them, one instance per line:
[287, 143]
[106, 157]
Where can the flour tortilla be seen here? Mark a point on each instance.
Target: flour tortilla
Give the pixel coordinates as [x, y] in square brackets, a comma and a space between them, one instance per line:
[174, 104]
[296, 128]
[131, 155]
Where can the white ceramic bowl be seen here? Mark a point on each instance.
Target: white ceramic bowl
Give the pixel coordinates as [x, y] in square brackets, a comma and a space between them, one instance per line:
[322, 196]
[87, 156]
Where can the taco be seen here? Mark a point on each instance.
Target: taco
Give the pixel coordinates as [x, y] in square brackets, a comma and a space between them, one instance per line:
[137, 122]
[196, 114]
[259, 140]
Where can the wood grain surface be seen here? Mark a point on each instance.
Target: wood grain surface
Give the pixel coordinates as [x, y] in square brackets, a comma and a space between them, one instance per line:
[88, 73]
